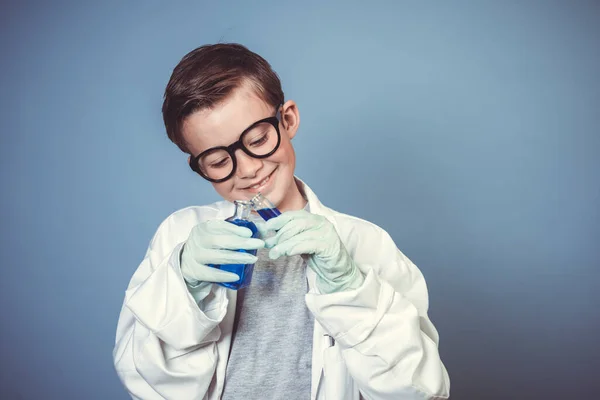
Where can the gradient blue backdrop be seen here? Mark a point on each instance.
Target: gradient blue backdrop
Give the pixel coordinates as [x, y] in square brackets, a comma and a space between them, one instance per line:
[468, 130]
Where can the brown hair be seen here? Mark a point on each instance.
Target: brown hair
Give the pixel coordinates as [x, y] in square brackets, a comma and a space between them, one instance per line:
[207, 75]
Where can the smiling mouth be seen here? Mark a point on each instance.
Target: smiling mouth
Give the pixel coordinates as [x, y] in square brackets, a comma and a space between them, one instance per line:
[261, 183]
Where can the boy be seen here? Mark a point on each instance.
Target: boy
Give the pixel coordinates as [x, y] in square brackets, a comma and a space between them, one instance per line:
[334, 310]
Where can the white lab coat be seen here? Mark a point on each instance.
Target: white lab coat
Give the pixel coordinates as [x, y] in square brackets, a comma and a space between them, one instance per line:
[375, 342]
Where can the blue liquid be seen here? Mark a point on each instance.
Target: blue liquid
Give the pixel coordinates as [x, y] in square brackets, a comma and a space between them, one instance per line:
[244, 271]
[268, 213]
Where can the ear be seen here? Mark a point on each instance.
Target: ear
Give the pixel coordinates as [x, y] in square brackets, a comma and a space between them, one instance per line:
[290, 118]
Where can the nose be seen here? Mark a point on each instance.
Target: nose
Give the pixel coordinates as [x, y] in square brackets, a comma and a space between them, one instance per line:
[247, 167]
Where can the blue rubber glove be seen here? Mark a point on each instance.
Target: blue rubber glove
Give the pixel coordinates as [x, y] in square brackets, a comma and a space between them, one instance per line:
[216, 242]
[300, 232]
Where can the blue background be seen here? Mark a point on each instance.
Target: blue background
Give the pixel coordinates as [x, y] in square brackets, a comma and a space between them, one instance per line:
[468, 130]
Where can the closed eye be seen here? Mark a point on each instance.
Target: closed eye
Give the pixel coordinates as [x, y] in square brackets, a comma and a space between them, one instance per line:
[260, 141]
[220, 163]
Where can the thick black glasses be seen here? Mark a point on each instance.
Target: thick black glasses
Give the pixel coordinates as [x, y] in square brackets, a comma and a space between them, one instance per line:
[259, 140]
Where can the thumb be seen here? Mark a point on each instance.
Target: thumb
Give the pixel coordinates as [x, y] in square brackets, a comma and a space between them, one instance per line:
[261, 226]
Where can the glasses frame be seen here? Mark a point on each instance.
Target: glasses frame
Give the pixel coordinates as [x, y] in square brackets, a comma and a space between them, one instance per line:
[232, 148]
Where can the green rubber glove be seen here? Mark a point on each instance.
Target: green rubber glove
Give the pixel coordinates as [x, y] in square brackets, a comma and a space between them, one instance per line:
[300, 232]
[216, 242]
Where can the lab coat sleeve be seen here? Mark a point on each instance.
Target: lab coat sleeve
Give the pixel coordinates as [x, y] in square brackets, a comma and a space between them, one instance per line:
[166, 335]
[385, 337]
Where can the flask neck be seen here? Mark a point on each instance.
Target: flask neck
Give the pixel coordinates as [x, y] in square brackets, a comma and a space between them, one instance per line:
[260, 202]
[242, 209]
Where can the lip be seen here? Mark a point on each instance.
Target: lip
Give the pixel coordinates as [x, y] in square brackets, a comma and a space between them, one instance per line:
[249, 188]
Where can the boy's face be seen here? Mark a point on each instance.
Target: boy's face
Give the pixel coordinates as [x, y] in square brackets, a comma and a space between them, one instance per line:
[222, 126]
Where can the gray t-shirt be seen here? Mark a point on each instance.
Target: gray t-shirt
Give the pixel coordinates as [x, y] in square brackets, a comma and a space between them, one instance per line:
[271, 351]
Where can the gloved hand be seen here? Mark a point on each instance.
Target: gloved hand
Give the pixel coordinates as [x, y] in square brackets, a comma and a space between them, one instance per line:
[215, 242]
[300, 232]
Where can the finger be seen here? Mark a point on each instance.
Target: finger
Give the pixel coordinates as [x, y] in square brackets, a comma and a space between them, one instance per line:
[210, 274]
[200, 243]
[289, 230]
[217, 226]
[261, 226]
[212, 256]
[304, 243]
[231, 242]
[294, 248]
[279, 221]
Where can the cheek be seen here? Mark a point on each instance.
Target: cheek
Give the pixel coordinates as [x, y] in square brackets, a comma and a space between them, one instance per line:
[285, 154]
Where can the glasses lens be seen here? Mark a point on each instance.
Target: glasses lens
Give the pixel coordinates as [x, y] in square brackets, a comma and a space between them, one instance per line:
[216, 164]
[260, 140]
